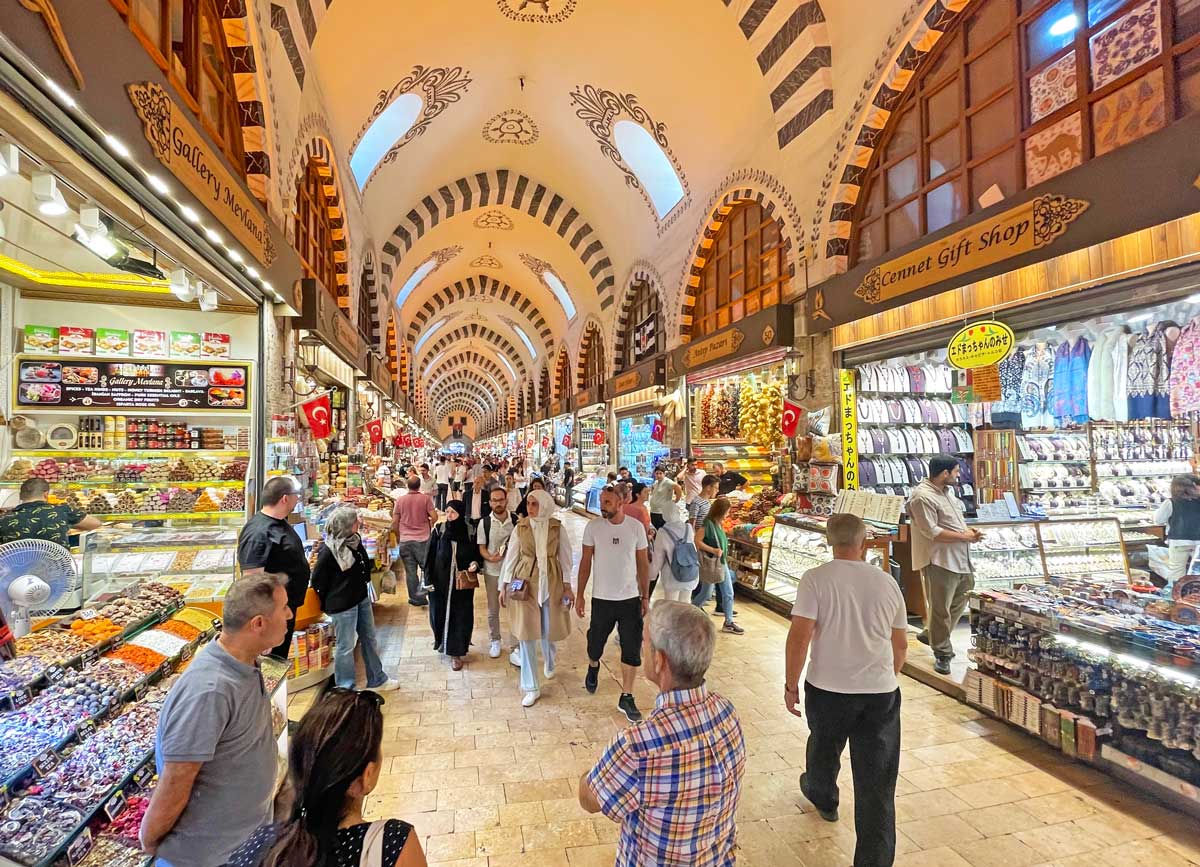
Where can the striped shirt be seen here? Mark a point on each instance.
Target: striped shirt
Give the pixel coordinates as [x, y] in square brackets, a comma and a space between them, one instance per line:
[673, 782]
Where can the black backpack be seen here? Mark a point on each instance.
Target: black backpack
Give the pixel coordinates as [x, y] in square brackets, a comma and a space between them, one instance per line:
[487, 527]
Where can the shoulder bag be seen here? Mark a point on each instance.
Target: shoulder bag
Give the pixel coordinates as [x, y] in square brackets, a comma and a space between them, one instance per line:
[372, 846]
[712, 570]
[463, 580]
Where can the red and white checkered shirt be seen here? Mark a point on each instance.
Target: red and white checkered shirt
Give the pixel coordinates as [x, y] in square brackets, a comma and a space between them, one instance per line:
[673, 782]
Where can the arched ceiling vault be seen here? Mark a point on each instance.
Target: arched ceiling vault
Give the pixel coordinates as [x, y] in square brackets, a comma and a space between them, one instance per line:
[467, 388]
[465, 358]
[467, 380]
[512, 167]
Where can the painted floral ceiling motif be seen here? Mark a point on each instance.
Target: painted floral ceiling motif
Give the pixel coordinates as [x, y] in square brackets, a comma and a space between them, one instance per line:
[537, 11]
[511, 127]
[494, 220]
[486, 261]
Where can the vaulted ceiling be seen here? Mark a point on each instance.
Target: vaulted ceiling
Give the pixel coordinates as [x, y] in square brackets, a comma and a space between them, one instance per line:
[509, 169]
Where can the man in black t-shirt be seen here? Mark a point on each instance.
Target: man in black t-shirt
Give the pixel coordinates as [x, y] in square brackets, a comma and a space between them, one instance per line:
[730, 481]
[269, 543]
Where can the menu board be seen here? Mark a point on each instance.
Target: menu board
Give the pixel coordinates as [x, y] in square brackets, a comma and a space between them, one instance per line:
[84, 384]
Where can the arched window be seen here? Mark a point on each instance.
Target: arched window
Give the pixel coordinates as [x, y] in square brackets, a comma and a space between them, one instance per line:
[562, 376]
[1018, 92]
[643, 334]
[314, 227]
[544, 395]
[185, 38]
[592, 365]
[745, 270]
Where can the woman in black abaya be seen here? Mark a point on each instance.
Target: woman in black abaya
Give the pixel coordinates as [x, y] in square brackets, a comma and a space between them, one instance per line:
[451, 611]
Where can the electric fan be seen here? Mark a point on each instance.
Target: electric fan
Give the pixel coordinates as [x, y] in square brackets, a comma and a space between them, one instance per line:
[34, 574]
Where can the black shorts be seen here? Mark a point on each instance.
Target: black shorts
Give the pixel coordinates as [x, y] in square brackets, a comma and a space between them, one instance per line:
[626, 615]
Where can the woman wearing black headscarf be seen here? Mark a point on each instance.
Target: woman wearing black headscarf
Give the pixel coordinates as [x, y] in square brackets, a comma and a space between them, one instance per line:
[451, 611]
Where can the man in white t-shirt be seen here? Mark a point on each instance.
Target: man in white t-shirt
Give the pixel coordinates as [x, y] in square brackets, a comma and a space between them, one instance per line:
[492, 535]
[690, 477]
[620, 595]
[441, 475]
[853, 616]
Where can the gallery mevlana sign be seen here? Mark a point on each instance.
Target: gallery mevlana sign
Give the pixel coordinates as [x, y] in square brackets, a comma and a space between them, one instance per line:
[179, 146]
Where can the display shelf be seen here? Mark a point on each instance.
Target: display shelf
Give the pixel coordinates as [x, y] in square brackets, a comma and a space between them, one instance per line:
[99, 483]
[131, 454]
[309, 678]
[1158, 782]
[170, 516]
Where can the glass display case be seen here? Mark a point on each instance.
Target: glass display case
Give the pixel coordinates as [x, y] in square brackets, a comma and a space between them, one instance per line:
[799, 544]
[1016, 552]
[198, 562]
[1009, 554]
[636, 448]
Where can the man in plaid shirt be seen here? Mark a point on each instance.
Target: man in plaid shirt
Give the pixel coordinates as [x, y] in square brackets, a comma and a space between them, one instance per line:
[673, 780]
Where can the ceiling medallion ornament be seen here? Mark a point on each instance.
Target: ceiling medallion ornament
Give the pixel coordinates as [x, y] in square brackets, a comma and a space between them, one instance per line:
[439, 88]
[511, 127]
[600, 110]
[486, 261]
[445, 254]
[537, 11]
[537, 266]
[494, 220]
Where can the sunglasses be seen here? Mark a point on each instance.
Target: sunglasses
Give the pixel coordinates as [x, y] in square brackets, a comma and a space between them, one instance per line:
[359, 694]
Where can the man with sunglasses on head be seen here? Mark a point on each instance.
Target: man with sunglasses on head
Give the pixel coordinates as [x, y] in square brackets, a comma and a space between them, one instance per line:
[269, 543]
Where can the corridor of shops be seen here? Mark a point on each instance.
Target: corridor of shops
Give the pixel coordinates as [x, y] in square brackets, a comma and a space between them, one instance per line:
[864, 333]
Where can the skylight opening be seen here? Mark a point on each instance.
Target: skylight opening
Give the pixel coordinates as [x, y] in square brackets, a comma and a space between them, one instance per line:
[425, 337]
[560, 292]
[653, 168]
[525, 339]
[414, 281]
[509, 366]
[393, 124]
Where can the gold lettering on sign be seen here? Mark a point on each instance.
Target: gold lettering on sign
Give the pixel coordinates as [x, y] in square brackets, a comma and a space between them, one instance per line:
[1019, 230]
[180, 147]
[627, 381]
[345, 333]
[717, 346]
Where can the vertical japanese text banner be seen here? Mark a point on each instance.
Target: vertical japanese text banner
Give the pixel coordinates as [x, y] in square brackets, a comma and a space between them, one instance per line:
[848, 406]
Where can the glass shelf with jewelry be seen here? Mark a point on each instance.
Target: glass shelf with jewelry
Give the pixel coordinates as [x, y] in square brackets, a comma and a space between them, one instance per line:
[1085, 548]
[1008, 555]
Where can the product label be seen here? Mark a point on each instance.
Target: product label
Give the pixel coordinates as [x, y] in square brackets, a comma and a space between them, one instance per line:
[54, 673]
[85, 730]
[20, 697]
[139, 691]
[41, 338]
[74, 340]
[142, 776]
[164, 669]
[115, 805]
[88, 614]
[46, 762]
[112, 342]
[185, 344]
[80, 848]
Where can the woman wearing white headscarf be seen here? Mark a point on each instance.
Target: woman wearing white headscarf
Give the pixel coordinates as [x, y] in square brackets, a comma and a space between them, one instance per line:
[539, 557]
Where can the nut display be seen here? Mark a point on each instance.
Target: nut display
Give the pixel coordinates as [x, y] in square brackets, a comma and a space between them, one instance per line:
[143, 658]
[33, 827]
[197, 618]
[51, 645]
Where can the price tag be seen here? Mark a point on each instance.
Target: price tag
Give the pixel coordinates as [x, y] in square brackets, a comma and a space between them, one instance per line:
[186, 653]
[118, 642]
[115, 805]
[164, 669]
[55, 673]
[5, 798]
[80, 848]
[90, 656]
[216, 624]
[139, 691]
[21, 697]
[45, 763]
[142, 776]
[88, 614]
[85, 729]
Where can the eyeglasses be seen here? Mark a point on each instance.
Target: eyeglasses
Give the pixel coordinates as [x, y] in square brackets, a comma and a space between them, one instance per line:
[360, 694]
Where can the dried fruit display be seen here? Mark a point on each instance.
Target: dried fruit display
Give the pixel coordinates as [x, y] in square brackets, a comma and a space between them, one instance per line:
[19, 470]
[761, 412]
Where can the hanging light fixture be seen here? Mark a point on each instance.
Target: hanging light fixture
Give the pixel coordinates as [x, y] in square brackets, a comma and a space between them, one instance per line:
[50, 200]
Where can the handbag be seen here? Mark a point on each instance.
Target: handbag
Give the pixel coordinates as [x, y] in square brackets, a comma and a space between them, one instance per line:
[463, 580]
[712, 569]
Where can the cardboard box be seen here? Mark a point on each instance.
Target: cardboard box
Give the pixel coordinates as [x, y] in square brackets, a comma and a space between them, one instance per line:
[1067, 727]
[185, 344]
[215, 345]
[1051, 726]
[41, 338]
[149, 344]
[112, 342]
[74, 340]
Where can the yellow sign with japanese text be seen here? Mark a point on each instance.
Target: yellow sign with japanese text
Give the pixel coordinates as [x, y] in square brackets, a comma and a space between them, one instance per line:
[848, 408]
[980, 344]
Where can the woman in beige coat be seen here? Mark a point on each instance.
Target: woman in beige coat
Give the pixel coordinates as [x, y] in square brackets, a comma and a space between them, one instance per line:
[538, 556]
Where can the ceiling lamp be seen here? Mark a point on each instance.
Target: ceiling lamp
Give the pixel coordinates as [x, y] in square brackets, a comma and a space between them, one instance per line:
[181, 286]
[10, 158]
[45, 191]
[208, 298]
[93, 234]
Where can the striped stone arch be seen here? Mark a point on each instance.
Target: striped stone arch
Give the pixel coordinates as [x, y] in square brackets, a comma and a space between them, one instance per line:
[451, 378]
[466, 332]
[235, 23]
[500, 187]
[563, 382]
[892, 85]
[392, 348]
[591, 331]
[750, 185]
[370, 290]
[462, 406]
[466, 358]
[480, 286]
[545, 391]
[451, 390]
[642, 271]
[790, 40]
[319, 151]
[462, 395]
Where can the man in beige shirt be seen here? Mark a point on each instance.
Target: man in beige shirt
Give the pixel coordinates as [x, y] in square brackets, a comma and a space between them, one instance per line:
[941, 551]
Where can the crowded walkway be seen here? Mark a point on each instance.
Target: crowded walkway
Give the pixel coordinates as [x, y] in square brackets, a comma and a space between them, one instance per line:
[488, 783]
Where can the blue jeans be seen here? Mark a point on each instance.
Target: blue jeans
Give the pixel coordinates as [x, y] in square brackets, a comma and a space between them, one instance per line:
[704, 592]
[528, 651]
[412, 555]
[356, 626]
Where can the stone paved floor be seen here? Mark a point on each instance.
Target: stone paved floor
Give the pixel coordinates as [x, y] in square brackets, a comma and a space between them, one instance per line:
[488, 783]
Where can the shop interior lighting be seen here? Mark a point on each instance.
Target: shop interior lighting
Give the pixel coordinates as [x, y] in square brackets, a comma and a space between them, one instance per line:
[1103, 652]
[189, 214]
[212, 235]
[10, 159]
[117, 146]
[1064, 25]
[208, 299]
[1141, 317]
[93, 234]
[234, 255]
[60, 94]
[159, 185]
[181, 286]
[1192, 299]
[253, 272]
[50, 200]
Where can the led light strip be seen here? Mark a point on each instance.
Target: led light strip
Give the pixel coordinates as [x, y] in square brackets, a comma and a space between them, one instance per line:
[1127, 659]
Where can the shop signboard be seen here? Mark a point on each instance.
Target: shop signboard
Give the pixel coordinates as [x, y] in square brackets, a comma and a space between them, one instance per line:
[558, 407]
[321, 315]
[645, 375]
[178, 145]
[1077, 209]
[380, 376]
[763, 330]
[588, 396]
[985, 381]
[848, 410]
[980, 344]
[52, 383]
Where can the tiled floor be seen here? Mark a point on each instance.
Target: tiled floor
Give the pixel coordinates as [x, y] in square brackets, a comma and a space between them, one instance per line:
[488, 783]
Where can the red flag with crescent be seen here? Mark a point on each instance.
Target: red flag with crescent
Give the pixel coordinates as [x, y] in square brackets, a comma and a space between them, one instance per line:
[659, 431]
[790, 420]
[375, 431]
[598, 437]
[317, 414]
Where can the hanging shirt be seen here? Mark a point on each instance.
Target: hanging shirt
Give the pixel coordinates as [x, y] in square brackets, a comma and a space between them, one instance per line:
[1037, 384]
[1149, 375]
[1011, 369]
[1185, 371]
[1077, 392]
[1060, 401]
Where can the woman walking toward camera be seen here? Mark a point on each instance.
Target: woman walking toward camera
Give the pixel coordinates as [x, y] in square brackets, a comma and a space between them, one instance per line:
[452, 567]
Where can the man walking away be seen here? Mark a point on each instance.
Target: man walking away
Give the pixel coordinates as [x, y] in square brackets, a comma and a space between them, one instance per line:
[851, 614]
[269, 543]
[442, 475]
[215, 750]
[620, 596]
[492, 536]
[673, 781]
[941, 550]
[413, 517]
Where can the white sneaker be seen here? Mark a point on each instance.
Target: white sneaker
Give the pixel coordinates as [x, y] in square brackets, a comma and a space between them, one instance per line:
[387, 686]
[494, 650]
[515, 658]
[530, 699]
[548, 671]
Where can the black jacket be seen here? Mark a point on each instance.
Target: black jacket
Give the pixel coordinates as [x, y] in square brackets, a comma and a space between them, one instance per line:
[438, 569]
[340, 591]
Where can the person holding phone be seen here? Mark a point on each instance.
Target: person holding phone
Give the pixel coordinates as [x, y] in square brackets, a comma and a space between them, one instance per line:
[492, 535]
[537, 587]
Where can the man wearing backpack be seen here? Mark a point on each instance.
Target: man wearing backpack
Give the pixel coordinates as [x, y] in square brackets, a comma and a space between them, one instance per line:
[676, 561]
[492, 536]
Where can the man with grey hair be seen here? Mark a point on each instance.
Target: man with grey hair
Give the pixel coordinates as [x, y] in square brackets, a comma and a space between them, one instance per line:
[268, 543]
[852, 616]
[674, 779]
[215, 750]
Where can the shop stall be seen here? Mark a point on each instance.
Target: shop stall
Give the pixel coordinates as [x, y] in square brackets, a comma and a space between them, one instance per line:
[640, 431]
[593, 449]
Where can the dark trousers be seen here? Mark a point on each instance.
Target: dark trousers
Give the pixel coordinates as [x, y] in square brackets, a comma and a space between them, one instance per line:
[871, 723]
[657, 520]
[296, 593]
[441, 496]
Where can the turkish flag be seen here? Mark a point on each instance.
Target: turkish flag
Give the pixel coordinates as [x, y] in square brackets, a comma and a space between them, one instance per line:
[419, 442]
[566, 441]
[545, 442]
[658, 431]
[790, 420]
[375, 431]
[598, 438]
[317, 414]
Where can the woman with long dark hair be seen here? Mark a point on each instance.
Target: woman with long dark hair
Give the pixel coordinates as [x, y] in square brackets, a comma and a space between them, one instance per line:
[710, 538]
[452, 611]
[334, 764]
